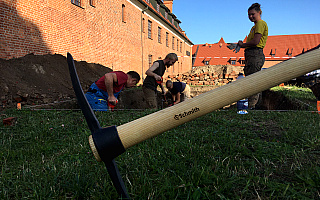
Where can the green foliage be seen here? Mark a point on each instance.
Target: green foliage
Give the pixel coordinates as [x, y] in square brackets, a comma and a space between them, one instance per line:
[222, 155]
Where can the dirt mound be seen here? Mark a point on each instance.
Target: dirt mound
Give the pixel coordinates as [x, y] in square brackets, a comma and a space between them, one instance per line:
[272, 100]
[35, 79]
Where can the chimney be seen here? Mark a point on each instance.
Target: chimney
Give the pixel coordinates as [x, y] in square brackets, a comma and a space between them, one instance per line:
[168, 4]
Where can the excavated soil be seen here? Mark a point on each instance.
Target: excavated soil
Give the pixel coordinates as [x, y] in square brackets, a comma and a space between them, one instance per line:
[37, 80]
[43, 81]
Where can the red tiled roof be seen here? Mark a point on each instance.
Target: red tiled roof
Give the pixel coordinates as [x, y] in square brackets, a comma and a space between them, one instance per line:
[281, 45]
[219, 53]
[221, 40]
[245, 39]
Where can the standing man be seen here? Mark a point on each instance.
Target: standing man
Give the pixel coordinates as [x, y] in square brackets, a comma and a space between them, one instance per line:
[154, 78]
[180, 91]
[108, 87]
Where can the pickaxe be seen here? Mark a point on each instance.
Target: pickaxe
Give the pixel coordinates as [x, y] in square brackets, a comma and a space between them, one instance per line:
[108, 143]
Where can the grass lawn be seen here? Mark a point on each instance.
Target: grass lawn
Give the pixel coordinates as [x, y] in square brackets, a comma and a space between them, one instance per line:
[222, 155]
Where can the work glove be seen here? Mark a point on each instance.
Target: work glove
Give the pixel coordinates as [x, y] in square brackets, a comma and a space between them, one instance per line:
[237, 49]
[159, 81]
[234, 46]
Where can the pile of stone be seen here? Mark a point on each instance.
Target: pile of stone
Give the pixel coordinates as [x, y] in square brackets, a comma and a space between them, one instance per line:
[208, 75]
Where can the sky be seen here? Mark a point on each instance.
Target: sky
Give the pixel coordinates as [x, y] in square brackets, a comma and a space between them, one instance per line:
[206, 21]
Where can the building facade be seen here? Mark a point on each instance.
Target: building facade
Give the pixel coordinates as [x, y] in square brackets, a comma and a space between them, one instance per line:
[119, 34]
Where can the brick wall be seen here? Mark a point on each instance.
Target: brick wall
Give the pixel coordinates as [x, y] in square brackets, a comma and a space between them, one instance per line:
[94, 34]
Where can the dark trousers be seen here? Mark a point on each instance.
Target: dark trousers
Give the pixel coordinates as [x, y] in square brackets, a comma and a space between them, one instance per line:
[151, 97]
[255, 59]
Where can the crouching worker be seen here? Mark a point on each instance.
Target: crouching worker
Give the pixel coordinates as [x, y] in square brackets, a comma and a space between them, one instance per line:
[180, 91]
[107, 88]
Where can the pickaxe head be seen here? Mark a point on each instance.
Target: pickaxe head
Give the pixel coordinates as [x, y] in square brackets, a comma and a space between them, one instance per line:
[103, 140]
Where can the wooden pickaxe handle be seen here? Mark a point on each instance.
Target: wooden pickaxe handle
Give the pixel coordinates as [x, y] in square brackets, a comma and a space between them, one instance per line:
[156, 123]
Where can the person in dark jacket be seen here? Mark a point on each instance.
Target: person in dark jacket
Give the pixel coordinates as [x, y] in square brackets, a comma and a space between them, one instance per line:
[154, 78]
[180, 91]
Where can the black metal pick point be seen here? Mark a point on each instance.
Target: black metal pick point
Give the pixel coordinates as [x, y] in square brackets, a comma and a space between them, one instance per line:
[99, 134]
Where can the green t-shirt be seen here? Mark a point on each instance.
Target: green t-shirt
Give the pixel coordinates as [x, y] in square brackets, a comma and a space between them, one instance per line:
[262, 28]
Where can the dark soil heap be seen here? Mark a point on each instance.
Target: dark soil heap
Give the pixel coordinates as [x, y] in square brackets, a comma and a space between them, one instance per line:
[42, 79]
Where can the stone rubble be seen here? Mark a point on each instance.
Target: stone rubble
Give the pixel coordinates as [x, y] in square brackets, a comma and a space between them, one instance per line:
[214, 75]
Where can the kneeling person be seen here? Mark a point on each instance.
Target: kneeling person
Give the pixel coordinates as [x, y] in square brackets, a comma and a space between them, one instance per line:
[107, 88]
[177, 89]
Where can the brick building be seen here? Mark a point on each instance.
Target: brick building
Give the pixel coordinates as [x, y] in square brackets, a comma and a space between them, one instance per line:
[278, 48]
[119, 34]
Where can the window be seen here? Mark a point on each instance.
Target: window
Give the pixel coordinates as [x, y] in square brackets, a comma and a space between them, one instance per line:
[158, 7]
[241, 61]
[181, 47]
[159, 34]
[147, 1]
[206, 62]
[166, 15]
[173, 42]
[76, 2]
[177, 45]
[232, 61]
[289, 53]
[150, 60]
[92, 3]
[149, 29]
[188, 53]
[124, 13]
[167, 39]
[273, 52]
[143, 24]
